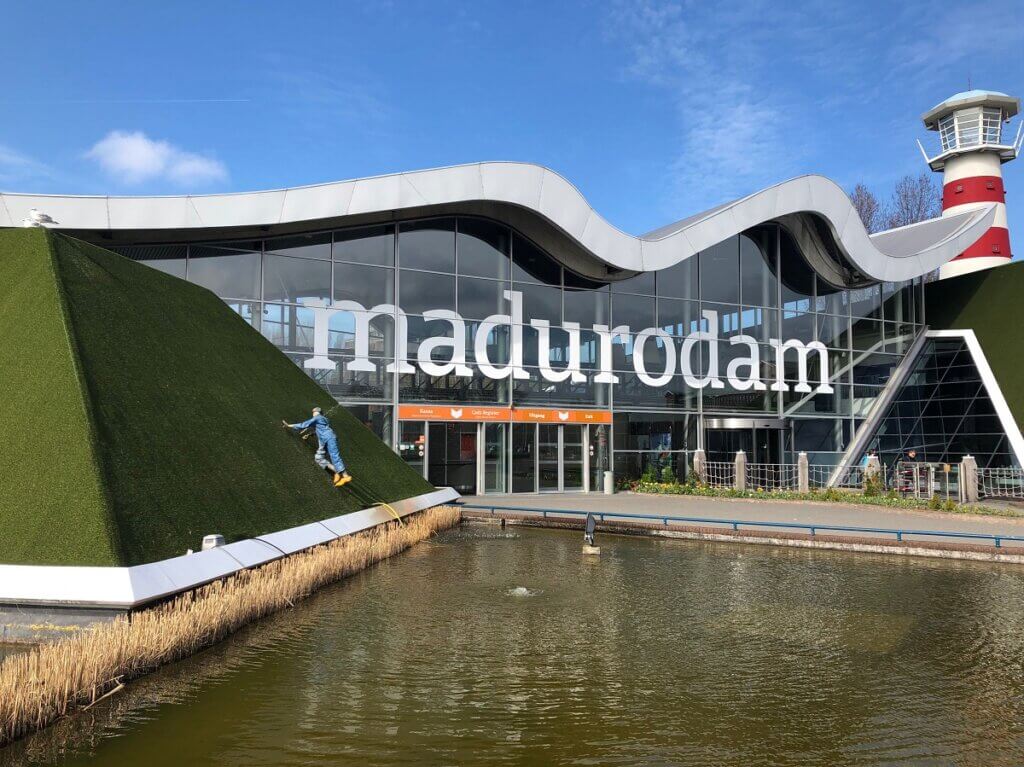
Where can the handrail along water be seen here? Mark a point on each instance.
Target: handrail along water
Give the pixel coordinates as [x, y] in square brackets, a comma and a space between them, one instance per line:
[736, 523]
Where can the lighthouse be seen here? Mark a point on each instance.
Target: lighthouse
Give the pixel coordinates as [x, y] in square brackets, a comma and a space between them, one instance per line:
[973, 148]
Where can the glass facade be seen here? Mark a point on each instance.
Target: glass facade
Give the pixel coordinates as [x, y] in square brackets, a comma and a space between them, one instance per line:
[757, 284]
[943, 412]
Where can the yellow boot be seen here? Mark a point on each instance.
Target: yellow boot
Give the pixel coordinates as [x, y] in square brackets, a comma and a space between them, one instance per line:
[342, 479]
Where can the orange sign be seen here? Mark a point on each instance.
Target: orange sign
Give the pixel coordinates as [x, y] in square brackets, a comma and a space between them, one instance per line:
[519, 414]
[532, 415]
[447, 413]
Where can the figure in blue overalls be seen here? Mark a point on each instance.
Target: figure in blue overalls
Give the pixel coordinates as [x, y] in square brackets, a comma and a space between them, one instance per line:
[328, 441]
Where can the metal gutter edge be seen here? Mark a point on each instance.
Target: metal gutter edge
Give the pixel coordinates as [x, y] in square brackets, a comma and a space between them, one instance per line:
[123, 588]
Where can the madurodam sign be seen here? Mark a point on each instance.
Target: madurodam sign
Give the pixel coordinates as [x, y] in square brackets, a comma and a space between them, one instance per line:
[742, 373]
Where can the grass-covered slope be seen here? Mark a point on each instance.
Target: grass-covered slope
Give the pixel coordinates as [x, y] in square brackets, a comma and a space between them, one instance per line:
[52, 504]
[987, 302]
[187, 402]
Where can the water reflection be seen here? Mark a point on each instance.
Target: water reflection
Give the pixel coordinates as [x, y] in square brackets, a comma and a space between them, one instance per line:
[658, 652]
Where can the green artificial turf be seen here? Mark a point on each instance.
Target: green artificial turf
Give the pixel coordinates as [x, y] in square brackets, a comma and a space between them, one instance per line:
[187, 401]
[985, 302]
[52, 504]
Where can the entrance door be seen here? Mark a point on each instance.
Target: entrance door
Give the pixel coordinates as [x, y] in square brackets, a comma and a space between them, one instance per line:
[495, 457]
[572, 458]
[721, 445]
[599, 451]
[760, 445]
[452, 456]
[524, 458]
[548, 458]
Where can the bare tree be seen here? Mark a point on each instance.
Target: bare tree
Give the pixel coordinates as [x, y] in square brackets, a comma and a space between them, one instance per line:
[914, 199]
[868, 207]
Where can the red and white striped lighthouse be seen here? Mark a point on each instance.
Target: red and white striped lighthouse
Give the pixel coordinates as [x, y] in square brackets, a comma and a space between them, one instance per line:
[970, 128]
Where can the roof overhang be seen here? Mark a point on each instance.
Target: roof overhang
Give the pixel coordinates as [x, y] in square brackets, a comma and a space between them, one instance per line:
[529, 191]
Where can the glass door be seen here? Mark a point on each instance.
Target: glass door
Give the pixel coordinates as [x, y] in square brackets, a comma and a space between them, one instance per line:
[495, 458]
[452, 456]
[599, 450]
[412, 445]
[547, 458]
[572, 458]
[723, 444]
[524, 458]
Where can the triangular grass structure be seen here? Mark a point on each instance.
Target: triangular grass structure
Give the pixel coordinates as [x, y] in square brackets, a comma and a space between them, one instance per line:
[138, 413]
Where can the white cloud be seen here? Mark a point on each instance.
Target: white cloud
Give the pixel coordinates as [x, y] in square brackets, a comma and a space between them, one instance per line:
[132, 157]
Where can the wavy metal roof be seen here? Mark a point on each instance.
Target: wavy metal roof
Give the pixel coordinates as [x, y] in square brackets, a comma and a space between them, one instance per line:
[801, 204]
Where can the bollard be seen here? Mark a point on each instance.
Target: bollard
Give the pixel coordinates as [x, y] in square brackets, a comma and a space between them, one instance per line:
[609, 483]
[803, 473]
[741, 470]
[968, 479]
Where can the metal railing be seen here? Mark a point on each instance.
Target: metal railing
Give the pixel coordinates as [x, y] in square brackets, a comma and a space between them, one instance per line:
[1001, 483]
[900, 534]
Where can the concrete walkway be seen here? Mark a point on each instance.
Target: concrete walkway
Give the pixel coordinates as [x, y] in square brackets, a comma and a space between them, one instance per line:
[798, 512]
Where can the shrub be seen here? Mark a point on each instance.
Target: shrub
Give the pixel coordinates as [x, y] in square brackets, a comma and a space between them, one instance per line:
[872, 485]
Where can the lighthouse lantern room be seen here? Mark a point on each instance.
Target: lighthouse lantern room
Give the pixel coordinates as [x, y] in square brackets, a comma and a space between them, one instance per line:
[973, 147]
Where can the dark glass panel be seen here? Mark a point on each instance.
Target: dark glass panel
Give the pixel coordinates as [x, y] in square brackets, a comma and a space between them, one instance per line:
[757, 271]
[483, 248]
[797, 325]
[678, 317]
[169, 259]
[655, 431]
[866, 334]
[376, 418]
[797, 276]
[343, 383]
[295, 279]
[422, 291]
[427, 245]
[301, 246]
[368, 285]
[833, 331]
[679, 280]
[587, 307]
[419, 387]
[636, 311]
[482, 298]
[381, 342]
[248, 311]
[642, 283]
[531, 264]
[540, 303]
[366, 245]
[720, 272]
[228, 271]
[538, 391]
[817, 435]
[730, 400]
[830, 299]
[631, 391]
[866, 302]
[289, 328]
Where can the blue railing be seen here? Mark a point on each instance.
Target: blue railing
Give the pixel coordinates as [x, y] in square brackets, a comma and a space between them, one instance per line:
[735, 524]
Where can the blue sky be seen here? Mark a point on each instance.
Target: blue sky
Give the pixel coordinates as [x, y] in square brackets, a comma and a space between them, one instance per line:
[654, 110]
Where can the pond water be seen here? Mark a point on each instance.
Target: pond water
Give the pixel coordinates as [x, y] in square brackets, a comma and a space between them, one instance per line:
[485, 646]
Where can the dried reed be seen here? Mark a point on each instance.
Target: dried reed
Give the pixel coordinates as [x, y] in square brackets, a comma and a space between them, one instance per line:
[55, 680]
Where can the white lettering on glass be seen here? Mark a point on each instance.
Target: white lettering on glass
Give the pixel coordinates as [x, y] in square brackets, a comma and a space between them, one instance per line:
[742, 373]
